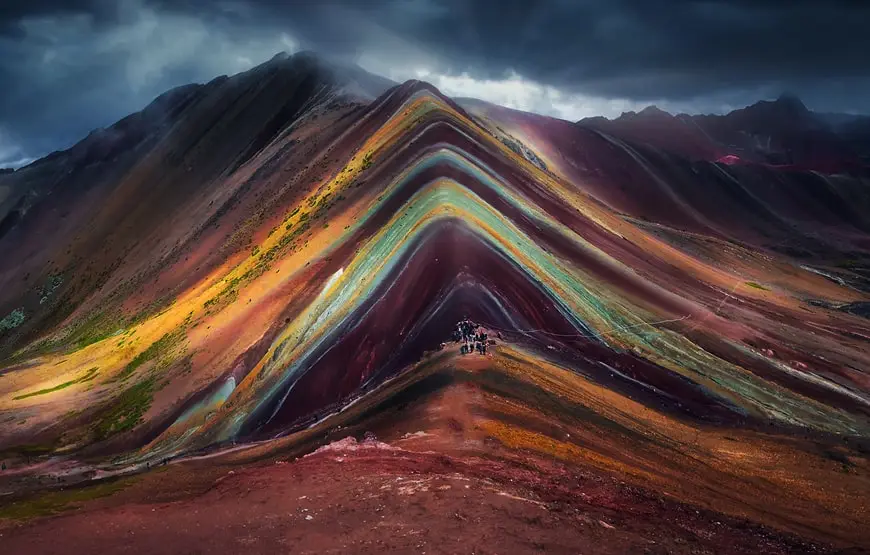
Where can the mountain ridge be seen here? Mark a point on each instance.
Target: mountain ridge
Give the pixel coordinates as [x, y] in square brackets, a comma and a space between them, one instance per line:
[287, 266]
[781, 132]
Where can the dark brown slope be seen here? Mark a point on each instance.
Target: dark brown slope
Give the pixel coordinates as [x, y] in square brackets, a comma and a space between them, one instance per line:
[98, 220]
[656, 127]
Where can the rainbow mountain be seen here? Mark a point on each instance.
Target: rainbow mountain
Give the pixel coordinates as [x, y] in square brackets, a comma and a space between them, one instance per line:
[276, 260]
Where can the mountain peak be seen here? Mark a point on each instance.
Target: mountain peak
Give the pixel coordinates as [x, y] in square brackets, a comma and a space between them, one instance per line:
[301, 57]
[349, 78]
[653, 110]
[791, 101]
[280, 56]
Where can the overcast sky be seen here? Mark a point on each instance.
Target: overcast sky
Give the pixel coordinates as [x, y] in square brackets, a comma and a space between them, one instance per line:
[69, 66]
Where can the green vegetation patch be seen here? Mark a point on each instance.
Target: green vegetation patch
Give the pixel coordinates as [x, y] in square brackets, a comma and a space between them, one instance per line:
[96, 327]
[54, 502]
[27, 451]
[102, 325]
[126, 411]
[99, 326]
[52, 283]
[12, 320]
[757, 285]
[90, 375]
[161, 350]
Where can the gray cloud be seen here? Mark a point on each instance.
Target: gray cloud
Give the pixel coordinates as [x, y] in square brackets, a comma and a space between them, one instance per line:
[69, 66]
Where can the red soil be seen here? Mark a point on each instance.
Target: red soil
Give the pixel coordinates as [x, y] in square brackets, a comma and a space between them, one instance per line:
[374, 497]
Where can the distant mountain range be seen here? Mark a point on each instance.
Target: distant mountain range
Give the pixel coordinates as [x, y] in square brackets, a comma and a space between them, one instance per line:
[782, 132]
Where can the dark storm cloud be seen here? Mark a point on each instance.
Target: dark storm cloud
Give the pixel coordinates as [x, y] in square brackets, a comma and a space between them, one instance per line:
[68, 66]
[653, 49]
[641, 49]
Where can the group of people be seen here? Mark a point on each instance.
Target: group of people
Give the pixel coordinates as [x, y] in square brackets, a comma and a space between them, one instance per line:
[472, 338]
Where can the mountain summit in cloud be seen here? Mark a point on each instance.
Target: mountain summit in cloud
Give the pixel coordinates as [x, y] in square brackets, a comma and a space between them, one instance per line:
[304, 307]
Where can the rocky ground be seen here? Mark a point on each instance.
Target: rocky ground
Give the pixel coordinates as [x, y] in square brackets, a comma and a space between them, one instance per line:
[372, 497]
